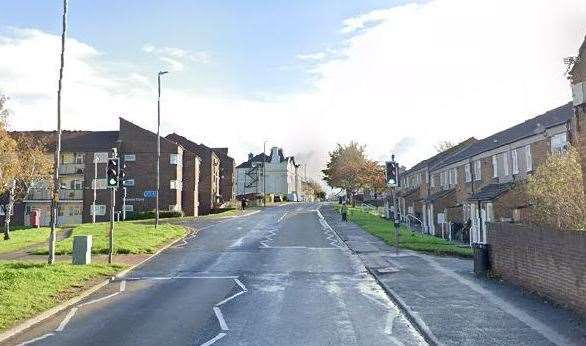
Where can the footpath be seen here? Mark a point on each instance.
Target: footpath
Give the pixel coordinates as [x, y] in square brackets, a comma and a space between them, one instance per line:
[449, 305]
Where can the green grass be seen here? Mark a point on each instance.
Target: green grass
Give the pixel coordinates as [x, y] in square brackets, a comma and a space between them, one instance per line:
[133, 237]
[384, 229]
[21, 238]
[27, 289]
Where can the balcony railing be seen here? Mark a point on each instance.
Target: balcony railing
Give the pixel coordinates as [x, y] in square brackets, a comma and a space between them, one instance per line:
[44, 194]
[71, 168]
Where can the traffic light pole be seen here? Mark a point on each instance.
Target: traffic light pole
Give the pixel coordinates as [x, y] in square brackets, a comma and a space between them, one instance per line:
[111, 232]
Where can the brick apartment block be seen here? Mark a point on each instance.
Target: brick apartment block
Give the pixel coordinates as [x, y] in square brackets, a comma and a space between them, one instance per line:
[473, 183]
[227, 177]
[84, 156]
[209, 178]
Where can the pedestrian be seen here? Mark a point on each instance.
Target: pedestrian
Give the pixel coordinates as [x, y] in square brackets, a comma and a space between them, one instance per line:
[345, 212]
[243, 203]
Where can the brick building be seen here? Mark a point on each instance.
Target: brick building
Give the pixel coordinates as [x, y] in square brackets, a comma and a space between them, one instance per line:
[84, 156]
[577, 76]
[474, 183]
[227, 178]
[209, 173]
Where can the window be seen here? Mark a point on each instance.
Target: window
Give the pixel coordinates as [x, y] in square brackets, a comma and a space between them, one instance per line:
[100, 209]
[489, 212]
[79, 158]
[174, 207]
[559, 142]
[453, 176]
[515, 160]
[477, 170]
[495, 173]
[432, 182]
[100, 157]
[467, 173]
[528, 160]
[175, 159]
[175, 185]
[129, 157]
[128, 182]
[129, 207]
[99, 184]
[505, 163]
[77, 185]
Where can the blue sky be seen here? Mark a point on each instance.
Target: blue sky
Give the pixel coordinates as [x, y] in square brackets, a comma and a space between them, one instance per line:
[252, 44]
[398, 76]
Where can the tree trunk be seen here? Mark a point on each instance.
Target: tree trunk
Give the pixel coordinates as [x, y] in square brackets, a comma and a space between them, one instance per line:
[8, 211]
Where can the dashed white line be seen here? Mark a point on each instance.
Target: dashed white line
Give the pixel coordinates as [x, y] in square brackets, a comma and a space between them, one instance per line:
[216, 338]
[122, 285]
[99, 299]
[36, 339]
[230, 298]
[239, 283]
[66, 320]
[220, 318]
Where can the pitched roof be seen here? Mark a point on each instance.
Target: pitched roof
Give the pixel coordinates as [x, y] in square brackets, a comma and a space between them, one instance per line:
[440, 194]
[491, 191]
[262, 157]
[438, 158]
[199, 149]
[526, 129]
[81, 141]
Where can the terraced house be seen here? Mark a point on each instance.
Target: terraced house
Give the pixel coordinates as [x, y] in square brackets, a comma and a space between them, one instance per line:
[475, 184]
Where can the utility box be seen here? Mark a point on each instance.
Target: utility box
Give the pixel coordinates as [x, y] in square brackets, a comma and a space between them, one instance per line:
[82, 249]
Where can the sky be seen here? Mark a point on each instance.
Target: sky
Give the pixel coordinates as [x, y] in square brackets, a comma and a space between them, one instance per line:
[396, 76]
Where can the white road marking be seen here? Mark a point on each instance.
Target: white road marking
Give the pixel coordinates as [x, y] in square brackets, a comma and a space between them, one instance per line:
[36, 339]
[216, 338]
[99, 299]
[303, 247]
[122, 285]
[282, 217]
[230, 298]
[239, 283]
[66, 320]
[390, 319]
[185, 277]
[220, 318]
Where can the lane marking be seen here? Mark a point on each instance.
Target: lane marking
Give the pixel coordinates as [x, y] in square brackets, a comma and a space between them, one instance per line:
[36, 339]
[390, 320]
[230, 298]
[220, 318]
[122, 285]
[99, 299]
[184, 277]
[282, 217]
[216, 338]
[66, 320]
[239, 283]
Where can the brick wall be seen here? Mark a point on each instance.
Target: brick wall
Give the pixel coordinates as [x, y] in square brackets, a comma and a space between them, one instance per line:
[551, 263]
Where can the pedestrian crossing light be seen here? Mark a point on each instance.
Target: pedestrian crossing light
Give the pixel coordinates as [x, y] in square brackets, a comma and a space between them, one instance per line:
[112, 172]
[392, 174]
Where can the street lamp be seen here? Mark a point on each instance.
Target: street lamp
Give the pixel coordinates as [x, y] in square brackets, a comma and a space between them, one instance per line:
[264, 177]
[158, 143]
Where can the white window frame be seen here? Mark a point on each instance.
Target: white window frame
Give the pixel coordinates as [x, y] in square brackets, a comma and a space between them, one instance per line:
[100, 157]
[129, 157]
[78, 158]
[515, 161]
[506, 163]
[432, 181]
[77, 184]
[129, 207]
[489, 212]
[478, 170]
[100, 209]
[467, 173]
[175, 185]
[495, 169]
[176, 159]
[99, 184]
[528, 159]
[559, 142]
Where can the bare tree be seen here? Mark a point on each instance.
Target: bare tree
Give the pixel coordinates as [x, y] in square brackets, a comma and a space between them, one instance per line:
[443, 146]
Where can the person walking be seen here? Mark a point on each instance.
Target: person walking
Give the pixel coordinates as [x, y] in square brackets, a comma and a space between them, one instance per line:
[344, 212]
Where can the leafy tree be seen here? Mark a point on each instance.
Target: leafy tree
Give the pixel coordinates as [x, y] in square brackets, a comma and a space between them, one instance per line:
[556, 193]
[312, 188]
[9, 163]
[374, 176]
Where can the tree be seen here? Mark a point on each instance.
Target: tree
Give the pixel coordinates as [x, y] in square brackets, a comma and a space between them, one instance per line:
[374, 176]
[349, 169]
[443, 146]
[312, 188]
[556, 193]
[9, 163]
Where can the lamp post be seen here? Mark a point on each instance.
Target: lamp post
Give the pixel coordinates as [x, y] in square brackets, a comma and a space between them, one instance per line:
[264, 176]
[158, 144]
[56, 185]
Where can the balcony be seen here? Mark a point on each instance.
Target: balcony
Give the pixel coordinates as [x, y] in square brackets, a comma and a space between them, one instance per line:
[71, 168]
[45, 195]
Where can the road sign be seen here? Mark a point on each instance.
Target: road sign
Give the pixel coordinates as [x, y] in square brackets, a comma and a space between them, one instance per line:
[150, 194]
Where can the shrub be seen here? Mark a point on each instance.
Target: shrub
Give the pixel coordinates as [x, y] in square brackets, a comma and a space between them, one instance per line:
[143, 215]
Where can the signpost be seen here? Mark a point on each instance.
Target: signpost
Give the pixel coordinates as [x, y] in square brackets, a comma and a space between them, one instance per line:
[392, 177]
[149, 194]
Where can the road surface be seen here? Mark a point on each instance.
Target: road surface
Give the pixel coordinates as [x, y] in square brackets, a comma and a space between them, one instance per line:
[277, 277]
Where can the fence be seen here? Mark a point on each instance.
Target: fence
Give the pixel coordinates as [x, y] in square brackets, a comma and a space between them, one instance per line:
[548, 262]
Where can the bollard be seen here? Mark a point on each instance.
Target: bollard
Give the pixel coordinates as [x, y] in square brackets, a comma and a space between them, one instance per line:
[82, 249]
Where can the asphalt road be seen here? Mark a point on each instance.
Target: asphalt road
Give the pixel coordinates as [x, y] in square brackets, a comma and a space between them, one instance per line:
[278, 277]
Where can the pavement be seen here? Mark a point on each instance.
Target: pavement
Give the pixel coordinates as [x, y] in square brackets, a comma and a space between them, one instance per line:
[452, 306]
[279, 276]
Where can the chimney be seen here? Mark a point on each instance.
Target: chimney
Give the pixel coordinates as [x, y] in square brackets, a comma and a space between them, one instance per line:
[275, 155]
[250, 156]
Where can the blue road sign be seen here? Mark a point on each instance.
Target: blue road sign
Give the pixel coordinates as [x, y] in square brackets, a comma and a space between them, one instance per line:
[150, 194]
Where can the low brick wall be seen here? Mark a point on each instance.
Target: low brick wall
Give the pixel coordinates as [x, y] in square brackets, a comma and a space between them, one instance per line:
[550, 263]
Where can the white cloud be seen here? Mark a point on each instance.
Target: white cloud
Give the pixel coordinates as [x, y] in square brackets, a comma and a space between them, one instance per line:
[173, 65]
[176, 58]
[311, 56]
[406, 78]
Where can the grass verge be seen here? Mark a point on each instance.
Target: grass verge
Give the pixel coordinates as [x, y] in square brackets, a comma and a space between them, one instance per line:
[27, 289]
[384, 229]
[21, 238]
[133, 237]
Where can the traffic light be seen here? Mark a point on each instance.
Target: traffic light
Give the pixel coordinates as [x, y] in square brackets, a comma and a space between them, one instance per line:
[122, 174]
[392, 173]
[113, 172]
